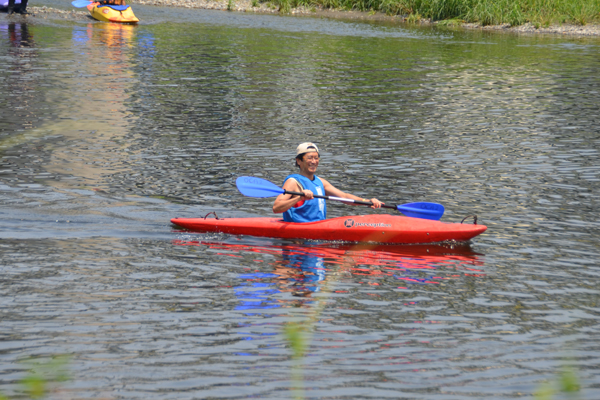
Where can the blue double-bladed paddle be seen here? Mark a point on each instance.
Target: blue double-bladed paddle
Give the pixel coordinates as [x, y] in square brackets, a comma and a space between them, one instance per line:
[257, 187]
[81, 3]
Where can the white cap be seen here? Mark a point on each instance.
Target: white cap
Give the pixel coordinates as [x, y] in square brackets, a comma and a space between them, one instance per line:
[306, 148]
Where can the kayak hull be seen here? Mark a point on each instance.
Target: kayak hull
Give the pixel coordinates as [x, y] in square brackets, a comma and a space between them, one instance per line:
[105, 13]
[380, 228]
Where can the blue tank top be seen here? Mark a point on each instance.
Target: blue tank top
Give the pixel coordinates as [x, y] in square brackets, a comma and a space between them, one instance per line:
[311, 210]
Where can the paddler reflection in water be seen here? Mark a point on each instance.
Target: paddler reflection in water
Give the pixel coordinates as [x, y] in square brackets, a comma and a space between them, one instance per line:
[306, 208]
[298, 271]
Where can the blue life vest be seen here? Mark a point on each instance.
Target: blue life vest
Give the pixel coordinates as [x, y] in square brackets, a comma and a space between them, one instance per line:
[311, 210]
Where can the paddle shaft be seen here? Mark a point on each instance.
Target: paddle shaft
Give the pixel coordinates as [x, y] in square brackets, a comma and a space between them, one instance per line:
[363, 203]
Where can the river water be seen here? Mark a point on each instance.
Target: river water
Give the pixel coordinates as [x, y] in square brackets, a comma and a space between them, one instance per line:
[109, 131]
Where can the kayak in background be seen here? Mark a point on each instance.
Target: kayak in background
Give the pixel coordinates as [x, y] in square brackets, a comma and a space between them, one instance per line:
[377, 228]
[111, 13]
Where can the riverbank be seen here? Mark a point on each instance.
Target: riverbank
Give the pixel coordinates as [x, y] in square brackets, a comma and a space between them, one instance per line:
[592, 29]
[255, 7]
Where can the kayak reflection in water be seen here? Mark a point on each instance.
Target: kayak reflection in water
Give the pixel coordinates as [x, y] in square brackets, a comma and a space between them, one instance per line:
[308, 209]
[304, 268]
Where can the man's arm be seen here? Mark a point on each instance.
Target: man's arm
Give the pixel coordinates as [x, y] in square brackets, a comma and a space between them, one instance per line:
[284, 201]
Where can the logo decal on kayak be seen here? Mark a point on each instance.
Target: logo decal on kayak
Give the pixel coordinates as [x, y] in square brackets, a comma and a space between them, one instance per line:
[349, 223]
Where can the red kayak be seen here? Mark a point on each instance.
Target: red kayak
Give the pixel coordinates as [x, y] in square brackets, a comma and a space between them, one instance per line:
[376, 228]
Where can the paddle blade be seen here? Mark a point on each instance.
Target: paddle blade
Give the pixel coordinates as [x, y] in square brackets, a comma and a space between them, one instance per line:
[422, 210]
[256, 187]
[80, 3]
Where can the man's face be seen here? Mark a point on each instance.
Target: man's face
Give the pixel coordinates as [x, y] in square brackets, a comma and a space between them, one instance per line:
[310, 162]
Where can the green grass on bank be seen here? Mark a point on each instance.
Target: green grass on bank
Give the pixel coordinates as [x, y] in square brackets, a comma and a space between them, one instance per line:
[485, 12]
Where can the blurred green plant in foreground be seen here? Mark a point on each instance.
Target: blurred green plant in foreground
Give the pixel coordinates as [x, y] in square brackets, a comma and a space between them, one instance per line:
[295, 334]
[45, 376]
[567, 384]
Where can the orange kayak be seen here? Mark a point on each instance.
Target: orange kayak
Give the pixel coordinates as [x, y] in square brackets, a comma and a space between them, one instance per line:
[111, 13]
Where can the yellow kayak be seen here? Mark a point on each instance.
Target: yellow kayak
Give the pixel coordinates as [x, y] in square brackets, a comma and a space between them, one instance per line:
[110, 13]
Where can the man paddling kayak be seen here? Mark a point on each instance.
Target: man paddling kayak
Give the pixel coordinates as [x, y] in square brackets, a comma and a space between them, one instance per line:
[308, 209]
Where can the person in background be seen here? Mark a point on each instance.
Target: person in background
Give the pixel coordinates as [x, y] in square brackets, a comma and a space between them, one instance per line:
[17, 8]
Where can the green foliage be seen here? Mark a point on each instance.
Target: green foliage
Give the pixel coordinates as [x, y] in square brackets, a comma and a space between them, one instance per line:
[35, 386]
[568, 384]
[414, 18]
[294, 334]
[485, 12]
[285, 6]
[296, 337]
[43, 376]
[451, 22]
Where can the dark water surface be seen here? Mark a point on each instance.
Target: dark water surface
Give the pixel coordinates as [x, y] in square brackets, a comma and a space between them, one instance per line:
[108, 131]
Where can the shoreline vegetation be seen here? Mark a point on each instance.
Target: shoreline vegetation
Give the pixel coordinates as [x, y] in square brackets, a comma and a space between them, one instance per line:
[563, 17]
